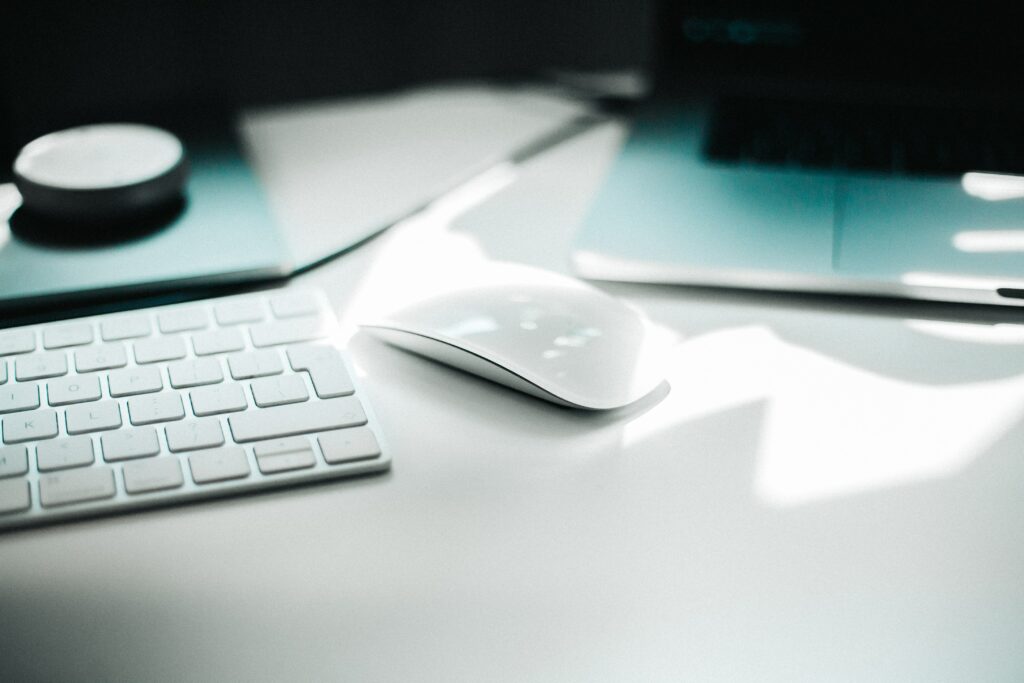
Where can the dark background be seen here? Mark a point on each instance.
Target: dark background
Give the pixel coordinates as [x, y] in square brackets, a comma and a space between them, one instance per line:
[877, 50]
[183, 64]
[182, 61]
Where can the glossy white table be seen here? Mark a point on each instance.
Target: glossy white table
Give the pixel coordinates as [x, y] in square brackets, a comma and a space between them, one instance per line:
[831, 491]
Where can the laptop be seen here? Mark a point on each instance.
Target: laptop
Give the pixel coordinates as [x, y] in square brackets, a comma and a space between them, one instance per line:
[870, 148]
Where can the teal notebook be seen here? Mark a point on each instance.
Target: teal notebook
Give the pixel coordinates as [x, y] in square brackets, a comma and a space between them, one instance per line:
[223, 234]
[309, 182]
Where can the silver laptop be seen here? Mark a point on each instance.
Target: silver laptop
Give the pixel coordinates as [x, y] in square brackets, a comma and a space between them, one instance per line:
[871, 150]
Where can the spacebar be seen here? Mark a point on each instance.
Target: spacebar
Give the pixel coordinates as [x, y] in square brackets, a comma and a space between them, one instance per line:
[297, 418]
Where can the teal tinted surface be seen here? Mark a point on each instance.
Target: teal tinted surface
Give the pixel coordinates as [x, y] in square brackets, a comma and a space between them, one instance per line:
[888, 229]
[665, 207]
[224, 234]
[662, 204]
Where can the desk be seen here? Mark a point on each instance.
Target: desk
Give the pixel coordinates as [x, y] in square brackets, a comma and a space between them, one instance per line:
[831, 491]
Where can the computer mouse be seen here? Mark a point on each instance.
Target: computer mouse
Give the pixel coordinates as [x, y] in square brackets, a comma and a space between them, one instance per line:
[548, 335]
[101, 172]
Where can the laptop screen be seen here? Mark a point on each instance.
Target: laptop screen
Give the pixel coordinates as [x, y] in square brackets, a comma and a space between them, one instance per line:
[873, 48]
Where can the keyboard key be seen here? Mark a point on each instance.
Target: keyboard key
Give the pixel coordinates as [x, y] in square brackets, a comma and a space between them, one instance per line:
[14, 496]
[331, 380]
[224, 398]
[159, 349]
[304, 356]
[218, 341]
[294, 305]
[77, 334]
[125, 327]
[41, 366]
[133, 381]
[276, 391]
[194, 373]
[219, 464]
[326, 369]
[3, 371]
[291, 332]
[242, 311]
[157, 474]
[255, 364]
[300, 418]
[194, 434]
[349, 445]
[13, 461]
[329, 375]
[19, 397]
[284, 455]
[143, 410]
[76, 486]
[77, 389]
[17, 341]
[103, 357]
[128, 444]
[41, 424]
[182, 320]
[61, 454]
[93, 417]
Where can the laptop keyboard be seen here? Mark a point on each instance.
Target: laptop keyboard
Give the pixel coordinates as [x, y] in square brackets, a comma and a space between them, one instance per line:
[176, 404]
[907, 140]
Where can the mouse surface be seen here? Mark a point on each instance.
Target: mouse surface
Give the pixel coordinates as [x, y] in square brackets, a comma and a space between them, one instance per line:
[548, 335]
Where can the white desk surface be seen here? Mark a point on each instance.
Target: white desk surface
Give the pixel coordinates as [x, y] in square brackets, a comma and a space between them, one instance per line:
[831, 491]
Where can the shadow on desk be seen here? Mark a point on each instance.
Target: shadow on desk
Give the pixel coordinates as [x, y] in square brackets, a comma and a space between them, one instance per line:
[917, 341]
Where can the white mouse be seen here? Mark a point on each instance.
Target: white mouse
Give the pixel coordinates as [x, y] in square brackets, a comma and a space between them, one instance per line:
[548, 335]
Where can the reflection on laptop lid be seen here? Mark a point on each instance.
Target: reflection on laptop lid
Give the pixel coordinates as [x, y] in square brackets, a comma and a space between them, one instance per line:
[872, 48]
[877, 86]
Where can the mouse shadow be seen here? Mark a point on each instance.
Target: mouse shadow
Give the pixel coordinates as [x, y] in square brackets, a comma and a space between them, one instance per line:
[44, 231]
[506, 410]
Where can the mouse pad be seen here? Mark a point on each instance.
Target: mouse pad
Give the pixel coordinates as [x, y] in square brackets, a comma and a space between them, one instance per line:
[222, 232]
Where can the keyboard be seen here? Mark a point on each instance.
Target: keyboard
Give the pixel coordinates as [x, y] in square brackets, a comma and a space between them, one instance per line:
[929, 141]
[175, 404]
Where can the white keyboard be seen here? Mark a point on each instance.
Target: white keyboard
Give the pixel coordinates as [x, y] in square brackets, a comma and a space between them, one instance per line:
[177, 403]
